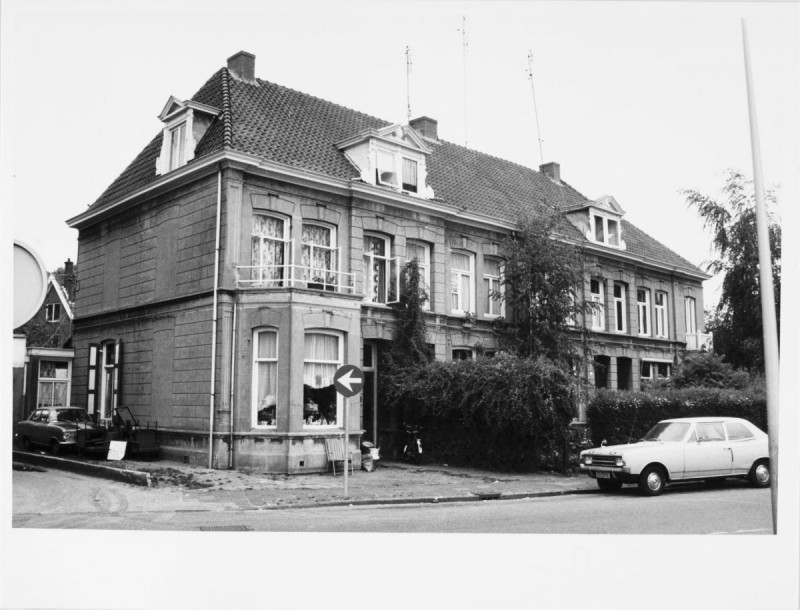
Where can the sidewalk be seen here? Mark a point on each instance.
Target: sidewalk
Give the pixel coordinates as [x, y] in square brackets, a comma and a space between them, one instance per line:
[390, 483]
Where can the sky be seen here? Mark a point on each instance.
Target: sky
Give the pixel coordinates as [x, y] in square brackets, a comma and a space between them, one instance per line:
[638, 100]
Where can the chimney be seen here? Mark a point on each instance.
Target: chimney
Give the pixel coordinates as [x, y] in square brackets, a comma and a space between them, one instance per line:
[425, 126]
[69, 279]
[243, 65]
[552, 170]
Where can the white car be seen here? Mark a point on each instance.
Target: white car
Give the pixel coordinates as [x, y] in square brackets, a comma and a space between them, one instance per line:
[691, 448]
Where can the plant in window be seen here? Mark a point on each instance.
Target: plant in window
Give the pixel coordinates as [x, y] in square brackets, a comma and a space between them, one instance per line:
[469, 319]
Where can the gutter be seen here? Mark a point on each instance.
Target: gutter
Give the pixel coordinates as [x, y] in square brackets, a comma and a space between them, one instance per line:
[214, 325]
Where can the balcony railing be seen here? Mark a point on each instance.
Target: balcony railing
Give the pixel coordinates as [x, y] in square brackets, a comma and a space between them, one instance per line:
[294, 276]
[697, 341]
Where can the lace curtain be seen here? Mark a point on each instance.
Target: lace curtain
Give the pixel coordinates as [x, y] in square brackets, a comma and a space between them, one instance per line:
[267, 376]
[269, 247]
[321, 360]
[317, 254]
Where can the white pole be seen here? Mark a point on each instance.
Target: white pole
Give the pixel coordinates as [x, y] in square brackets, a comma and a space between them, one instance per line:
[769, 323]
[214, 328]
[346, 442]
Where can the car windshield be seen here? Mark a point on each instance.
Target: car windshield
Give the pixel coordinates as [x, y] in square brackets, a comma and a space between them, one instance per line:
[76, 415]
[667, 431]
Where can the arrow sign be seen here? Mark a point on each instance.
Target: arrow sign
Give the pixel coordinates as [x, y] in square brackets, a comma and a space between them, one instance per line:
[348, 380]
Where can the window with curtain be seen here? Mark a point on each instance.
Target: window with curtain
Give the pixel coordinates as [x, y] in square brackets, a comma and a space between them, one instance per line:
[643, 306]
[409, 175]
[386, 170]
[318, 258]
[376, 268]
[422, 253]
[660, 322]
[323, 356]
[270, 246]
[265, 377]
[462, 298]
[53, 384]
[492, 270]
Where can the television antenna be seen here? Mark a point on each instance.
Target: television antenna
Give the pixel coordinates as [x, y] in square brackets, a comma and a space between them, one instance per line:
[408, 81]
[464, 46]
[535, 112]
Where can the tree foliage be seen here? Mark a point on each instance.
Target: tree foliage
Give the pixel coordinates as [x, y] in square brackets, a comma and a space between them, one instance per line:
[736, 322]
[541, 278]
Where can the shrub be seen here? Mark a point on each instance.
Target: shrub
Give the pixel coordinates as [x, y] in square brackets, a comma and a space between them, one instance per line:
[621, 417]
[505, 412]
[706, 369]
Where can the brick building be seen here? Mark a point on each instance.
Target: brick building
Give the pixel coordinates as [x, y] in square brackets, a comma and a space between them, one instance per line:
[254, 245]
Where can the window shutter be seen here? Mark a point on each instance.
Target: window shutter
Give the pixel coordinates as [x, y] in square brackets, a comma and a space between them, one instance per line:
[117, 370]
[93, 375]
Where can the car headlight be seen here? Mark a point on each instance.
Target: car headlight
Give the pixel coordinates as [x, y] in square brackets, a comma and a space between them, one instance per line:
[620, 462]
[70, 433]
[587, 459]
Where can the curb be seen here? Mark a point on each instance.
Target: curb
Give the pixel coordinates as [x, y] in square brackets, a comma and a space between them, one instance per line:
[134, 477]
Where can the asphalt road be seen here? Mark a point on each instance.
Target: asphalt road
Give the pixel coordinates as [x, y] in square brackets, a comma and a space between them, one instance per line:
[71, 501]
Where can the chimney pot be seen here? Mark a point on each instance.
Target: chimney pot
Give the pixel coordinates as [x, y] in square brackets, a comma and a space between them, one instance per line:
[552, 170]
[243, 64]
[427, 126]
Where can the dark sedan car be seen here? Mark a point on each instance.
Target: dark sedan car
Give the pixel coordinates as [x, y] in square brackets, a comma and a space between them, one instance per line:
[57, 427]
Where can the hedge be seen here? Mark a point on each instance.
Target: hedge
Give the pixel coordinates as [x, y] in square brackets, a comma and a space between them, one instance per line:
[621, 417]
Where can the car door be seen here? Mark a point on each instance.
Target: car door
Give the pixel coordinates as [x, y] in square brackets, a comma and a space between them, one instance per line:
[744, 446]
[708, 452]
[36, 426]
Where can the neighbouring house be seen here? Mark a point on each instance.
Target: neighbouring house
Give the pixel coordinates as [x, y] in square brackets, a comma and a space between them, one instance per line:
[48, 354]
[254, 246]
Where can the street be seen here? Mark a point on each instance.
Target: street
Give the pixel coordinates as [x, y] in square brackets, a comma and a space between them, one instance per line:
[54, 499]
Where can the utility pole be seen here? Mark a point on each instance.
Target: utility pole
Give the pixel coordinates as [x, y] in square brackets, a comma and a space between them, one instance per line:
[768, 318]
[535, 112]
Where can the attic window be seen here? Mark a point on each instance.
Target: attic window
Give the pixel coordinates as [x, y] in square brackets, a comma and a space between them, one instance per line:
[386, 171]
[409, 175]
[605, 230]
[177, 146]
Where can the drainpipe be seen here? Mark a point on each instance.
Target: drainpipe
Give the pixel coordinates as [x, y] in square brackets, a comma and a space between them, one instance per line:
[233, 387]
[214, 326]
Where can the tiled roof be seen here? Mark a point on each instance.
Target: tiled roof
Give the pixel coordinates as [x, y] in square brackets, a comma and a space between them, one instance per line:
[296, 129]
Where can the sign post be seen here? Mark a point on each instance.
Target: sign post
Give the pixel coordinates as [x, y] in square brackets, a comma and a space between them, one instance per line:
[348, 381]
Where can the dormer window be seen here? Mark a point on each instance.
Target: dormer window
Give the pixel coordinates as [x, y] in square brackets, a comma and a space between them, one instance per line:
[386, 172]
[409, 175]
[185, 123]
[606, 230]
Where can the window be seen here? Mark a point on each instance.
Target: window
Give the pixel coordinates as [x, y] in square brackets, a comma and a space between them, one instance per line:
[108, 364]
[386, 172]
[177, 146]
[380, 271]
[655, 370]
[643, 306]
[323, 356]
[620, 310]
[52, 312]
[711, 431]
[661, 329]
[462, 354]
[598, 310]
[270, 250]
[605, 230]
[691, 315]
[738, 431]
[265, 377]
[319, 256]
[53, 384]
[462, 298]
[422, 253]
[493, 288]
[409, 175]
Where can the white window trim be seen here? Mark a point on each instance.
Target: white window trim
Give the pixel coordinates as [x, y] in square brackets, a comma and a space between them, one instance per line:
[339, 398]
[104, 386]
[690, 312]
[606, 241]
[391, 263]
[656, 361]
[600, 312]
[402, 174]
[643, 310]
[623, 300]
[333, 248]
[425, 269]
[497, 303]
[286, 240]
[254, 386]
[163, 163]
[50, 310]
[461, 310]
[68, 380]
[660, 318]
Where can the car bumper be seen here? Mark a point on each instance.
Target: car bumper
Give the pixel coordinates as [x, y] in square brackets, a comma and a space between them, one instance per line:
[623, 475]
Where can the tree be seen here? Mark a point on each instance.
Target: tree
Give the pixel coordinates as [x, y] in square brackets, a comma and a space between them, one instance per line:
[736, 322]
[542, 278]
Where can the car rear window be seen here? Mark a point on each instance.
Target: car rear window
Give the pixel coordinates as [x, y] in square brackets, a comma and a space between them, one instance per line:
[737, 431]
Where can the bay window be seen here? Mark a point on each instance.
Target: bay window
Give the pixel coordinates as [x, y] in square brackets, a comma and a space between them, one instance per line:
[620, 308]
[660, 322]
[643, 306]
[321, 401]
[462, 295]
[265, 377]
[270, 250]
[319, 256]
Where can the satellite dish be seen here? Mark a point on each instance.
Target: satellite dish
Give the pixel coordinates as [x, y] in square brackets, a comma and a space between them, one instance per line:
[30, 283]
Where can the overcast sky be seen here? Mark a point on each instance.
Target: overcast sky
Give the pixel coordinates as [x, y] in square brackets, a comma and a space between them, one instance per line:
[635, 100]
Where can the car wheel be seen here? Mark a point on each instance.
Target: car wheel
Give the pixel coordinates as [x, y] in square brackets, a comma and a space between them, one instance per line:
[759, 475]
[609, 485]
[54, 447]
[652, 481]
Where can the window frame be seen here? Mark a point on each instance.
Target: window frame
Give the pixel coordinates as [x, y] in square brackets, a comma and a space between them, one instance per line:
[286, 241]
[256, 360]
[620, 308]
[690, 306]
[660, 319]
[654, 365]
[179, 160]
[340, 336]
[498, 303]
[598, 313]
[384, 154]
[468, 351]
[50, 311]
[53, 381]
[424, 267]
[333, 249]
[390, 269]
[612, 239]
[643, 311]
[408, 186]
[456, 281]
